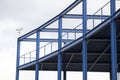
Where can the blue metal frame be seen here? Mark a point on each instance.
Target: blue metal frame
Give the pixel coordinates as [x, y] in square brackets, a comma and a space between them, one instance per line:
[59, 17]
[37, 56]
[18, 59]
[59, 47]
[46, 40]
[84, 43]
[113, 44]
[78, 16]
[63, 30]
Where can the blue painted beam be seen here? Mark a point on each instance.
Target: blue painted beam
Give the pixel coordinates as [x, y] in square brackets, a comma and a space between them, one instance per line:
[37, 56]
[63, 30]
[113, 51]
[59, 48]
[77, 16]
[18, 60]
[113, 43]
[51, 20]
[84, 42]
[46, 40]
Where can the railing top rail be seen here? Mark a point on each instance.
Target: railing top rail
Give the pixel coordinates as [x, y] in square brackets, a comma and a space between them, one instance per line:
[102, 7]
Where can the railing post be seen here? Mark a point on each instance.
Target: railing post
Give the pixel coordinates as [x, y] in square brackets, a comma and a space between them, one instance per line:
[18, 60]
[113, 43]
[101, 13]
[30, 56]
[24, 58]
[51, 47]
[59, 47]
[67, 35]
[84, 43]
[93, 22]
[37, 55]
[44, 50]
[75, 34]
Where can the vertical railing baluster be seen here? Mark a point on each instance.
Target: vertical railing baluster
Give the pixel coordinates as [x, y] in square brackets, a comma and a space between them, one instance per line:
[101, 14]
[30, 56]
[67, 36]
[93, 22]
[75, 33]
[51, 47]
[44, 50]
[24, 59]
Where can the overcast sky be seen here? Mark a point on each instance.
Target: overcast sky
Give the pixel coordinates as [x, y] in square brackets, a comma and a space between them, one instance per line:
[28, 14]
[15, 14]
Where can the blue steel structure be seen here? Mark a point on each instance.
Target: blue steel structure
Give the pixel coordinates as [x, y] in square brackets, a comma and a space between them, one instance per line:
[84, 42]
[97, 49]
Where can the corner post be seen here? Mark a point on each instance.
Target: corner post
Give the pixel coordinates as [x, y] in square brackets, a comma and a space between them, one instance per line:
[113, 43]
[37, 55]
[18, 59]
[59, 47]
[84, 43]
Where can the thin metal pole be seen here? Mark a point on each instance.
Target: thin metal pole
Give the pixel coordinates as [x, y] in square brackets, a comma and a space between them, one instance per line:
[110, 76]
[37, 56]
[24, 58]
[84, 43]
[64, 75]
[59, 47]
[30, 56]
[113, 43]
[101, 13]
[18, 60]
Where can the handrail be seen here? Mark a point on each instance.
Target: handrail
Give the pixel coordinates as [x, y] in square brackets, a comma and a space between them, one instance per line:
[101, 10]
[102, 7]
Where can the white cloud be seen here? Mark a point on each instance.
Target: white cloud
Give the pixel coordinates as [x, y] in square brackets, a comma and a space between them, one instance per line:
[7, 66]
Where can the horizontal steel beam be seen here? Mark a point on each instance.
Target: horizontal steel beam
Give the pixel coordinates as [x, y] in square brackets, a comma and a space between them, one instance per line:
[77, 16]
[77, 63]
[46, 40]
[63, 40]
[74, 4]
[63, 30]
[47, 63]
[89, 53]
[101, 40]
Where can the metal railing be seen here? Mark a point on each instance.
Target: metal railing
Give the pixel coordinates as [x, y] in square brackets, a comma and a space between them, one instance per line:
[28, 57]
[100, 12]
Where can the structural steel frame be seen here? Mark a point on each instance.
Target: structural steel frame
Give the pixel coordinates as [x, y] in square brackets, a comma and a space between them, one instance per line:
[84, 30]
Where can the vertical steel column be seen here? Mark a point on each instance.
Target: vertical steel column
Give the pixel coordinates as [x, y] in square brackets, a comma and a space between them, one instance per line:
[59, 47]
[84, 43]
[64, 75]
[18, 59]
[113, 43]
[37, 55]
